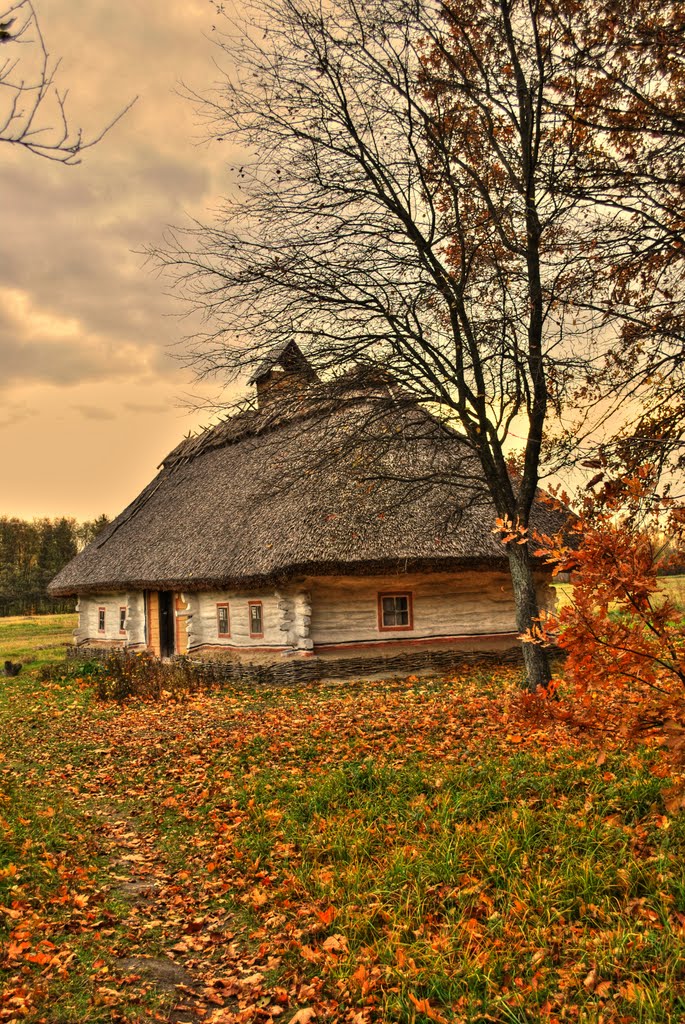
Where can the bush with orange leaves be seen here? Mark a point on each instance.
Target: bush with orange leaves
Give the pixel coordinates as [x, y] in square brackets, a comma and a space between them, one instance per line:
[619, 624]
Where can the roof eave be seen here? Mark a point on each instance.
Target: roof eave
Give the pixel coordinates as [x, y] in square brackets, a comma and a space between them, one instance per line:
[392, 566]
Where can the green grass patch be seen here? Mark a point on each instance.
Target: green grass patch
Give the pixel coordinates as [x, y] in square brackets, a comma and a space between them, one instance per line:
[35, 640]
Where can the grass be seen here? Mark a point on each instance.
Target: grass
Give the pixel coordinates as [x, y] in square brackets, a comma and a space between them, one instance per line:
[401, 851]
[35, 640]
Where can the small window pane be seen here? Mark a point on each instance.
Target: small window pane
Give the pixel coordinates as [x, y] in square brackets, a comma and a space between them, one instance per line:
[122, 620]
[256, 618]
[396, 611]
[223, 620]
[101, 620]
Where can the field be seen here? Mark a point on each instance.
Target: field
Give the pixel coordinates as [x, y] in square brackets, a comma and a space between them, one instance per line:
[35, 640]
[441, 850]
[673, 586]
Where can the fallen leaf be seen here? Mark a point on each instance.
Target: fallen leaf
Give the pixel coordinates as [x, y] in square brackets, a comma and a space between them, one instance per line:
[303, 1017]
[336, 944]
[590, 980]
[424, 1006]
[326, 916]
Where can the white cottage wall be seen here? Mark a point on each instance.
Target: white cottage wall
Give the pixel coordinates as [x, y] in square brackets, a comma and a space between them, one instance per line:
[345, 609]
[88, 618]
[135, 619]
[325, 612]
[203, 627]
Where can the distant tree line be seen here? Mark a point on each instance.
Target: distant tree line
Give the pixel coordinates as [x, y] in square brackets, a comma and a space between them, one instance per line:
[31, 553]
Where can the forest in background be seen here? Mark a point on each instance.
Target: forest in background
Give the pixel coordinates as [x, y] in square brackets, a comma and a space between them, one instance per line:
[31, 553]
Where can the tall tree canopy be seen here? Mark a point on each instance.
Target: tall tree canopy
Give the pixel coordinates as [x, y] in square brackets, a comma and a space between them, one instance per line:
[424, 186]
[31, 553]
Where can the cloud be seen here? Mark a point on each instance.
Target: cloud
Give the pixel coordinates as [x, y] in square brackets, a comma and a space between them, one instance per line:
[146, 407]
[94, 412]
[14, 413]
[84, 324]
[42, 346]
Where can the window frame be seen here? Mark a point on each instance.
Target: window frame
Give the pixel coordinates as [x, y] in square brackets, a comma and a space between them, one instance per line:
[250, 606]
[410, 611]
[102, 617]
[122, 619]
[219, 605]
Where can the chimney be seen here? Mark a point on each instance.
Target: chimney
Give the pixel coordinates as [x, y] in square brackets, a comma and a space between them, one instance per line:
[284, 373]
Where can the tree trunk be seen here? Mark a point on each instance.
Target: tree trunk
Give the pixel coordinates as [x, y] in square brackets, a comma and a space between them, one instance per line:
[535, 658]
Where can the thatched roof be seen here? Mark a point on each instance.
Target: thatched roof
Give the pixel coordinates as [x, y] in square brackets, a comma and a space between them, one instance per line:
[361, 486]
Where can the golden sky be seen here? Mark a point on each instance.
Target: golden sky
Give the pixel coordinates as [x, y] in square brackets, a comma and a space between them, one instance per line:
[91, 393]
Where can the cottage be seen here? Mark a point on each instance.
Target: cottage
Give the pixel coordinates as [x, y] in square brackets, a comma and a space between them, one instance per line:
[328, 523]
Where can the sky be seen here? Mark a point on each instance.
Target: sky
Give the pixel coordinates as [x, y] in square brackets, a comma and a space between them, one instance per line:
[92, 391]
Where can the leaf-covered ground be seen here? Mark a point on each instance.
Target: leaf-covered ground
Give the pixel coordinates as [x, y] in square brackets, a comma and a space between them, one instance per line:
[426, 850]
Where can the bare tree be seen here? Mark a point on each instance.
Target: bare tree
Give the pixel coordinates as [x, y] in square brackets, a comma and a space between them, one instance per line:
[625, 92]
[409, 196]
[33, 112]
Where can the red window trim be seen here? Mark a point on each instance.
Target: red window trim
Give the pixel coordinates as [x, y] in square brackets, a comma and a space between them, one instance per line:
[104, 620]
[410, 608]
[223, 604]
[255, 636]
[124, 609]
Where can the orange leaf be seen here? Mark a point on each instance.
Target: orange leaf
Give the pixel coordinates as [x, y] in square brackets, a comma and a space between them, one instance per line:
[423, 1006]
[326, 916]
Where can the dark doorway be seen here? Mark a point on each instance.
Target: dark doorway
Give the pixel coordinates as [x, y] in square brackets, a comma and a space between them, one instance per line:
[167, 623]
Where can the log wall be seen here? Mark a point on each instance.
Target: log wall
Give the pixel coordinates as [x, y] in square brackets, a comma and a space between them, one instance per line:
[320, 614]
[344, 609]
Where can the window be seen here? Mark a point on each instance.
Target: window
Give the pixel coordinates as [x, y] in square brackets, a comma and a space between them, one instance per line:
[395, 611]
[101, 620]
[256, 618]
[222, 619]
[122, 620]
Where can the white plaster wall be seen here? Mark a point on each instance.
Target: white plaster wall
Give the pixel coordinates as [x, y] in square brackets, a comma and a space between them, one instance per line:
[202, 621]
[88, 607]
[345, 609]
[79, 633]
[135, 618]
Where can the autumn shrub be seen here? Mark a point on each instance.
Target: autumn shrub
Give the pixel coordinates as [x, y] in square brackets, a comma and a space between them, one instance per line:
[618, 624]
[124, 675]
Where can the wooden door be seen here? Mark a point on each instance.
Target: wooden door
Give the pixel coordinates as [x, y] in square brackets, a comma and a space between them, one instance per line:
[167, 624]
